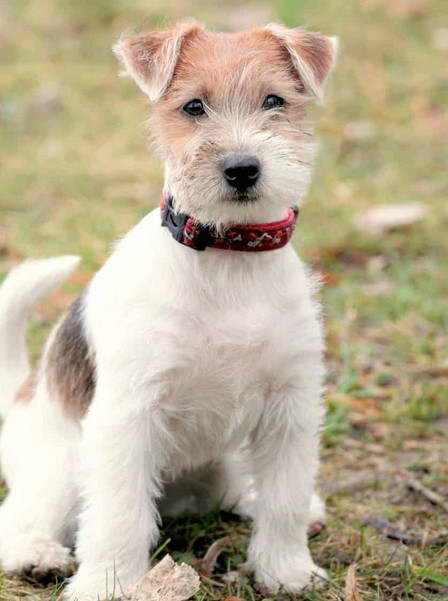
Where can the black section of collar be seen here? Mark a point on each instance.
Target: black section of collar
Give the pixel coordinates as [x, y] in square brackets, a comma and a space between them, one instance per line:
[175, 222]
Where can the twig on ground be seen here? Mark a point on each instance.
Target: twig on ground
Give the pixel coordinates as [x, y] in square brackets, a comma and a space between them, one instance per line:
[437, 371]
[430, 495]
[407, 539]
[211, 581]
[351, 585]
[211, 557]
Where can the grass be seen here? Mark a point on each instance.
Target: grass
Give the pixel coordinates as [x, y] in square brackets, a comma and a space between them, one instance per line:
[76, 174]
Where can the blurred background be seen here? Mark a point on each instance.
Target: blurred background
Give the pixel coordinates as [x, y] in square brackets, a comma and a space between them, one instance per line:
[76, 173]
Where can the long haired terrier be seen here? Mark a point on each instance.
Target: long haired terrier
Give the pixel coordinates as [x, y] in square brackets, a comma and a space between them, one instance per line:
[189, 372]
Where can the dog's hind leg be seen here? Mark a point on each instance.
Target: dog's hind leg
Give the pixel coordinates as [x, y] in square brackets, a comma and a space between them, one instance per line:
[38, 447]
[39, 450]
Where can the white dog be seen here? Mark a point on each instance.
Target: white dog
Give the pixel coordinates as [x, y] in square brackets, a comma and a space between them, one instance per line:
[197, 348]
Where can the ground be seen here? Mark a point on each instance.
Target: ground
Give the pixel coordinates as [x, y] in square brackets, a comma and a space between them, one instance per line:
[77, 173]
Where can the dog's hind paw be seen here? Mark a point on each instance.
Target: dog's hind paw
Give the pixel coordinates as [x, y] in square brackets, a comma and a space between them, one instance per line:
[39, 558]
[292, 577]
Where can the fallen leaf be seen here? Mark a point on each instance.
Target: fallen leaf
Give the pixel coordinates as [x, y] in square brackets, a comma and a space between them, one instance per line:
[367, 406]
[351, 585]
[440, 38]
[380, 288]
[356, 131]
[384, 217]
[214, 551]
[166, 581]
[376, 264]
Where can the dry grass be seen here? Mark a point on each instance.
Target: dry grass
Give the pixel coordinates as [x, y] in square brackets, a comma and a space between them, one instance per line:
[76, 174]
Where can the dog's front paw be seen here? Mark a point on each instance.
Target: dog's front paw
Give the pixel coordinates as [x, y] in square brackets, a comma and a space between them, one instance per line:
[93, 585]
[291, 576]
[76, 591]
[106, 581]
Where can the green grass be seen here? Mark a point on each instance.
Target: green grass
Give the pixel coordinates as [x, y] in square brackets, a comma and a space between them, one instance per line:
[76, 173]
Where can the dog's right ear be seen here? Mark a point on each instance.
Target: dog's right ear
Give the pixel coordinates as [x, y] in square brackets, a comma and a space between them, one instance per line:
[151, 59]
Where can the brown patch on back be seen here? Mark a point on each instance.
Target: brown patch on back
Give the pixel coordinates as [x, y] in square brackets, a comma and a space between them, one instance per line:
[28, 388]
[70, 366]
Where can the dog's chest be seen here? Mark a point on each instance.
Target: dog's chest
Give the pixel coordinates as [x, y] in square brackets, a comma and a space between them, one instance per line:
[209, 336]
[222, 368]
[226, 358]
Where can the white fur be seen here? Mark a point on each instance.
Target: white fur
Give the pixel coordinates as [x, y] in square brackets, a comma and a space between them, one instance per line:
[204, 360]
[285, 169]
[39, 459]
[198, 354]
[25, 285]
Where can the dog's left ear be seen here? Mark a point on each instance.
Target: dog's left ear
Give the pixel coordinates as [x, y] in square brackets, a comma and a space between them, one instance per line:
[313, 56]
[151, 59]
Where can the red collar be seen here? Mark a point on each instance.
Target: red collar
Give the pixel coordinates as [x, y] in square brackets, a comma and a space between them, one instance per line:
[250, 238]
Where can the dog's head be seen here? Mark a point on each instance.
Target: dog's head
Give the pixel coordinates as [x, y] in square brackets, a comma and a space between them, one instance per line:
[229, 115]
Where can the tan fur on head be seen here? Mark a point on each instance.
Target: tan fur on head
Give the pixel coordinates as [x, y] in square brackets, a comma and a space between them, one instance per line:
[231, 74]
[313, 55]
[151, 59]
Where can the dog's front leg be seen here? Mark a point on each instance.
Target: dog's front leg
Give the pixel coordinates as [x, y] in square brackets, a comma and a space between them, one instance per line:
[285, 460]
[118, 525]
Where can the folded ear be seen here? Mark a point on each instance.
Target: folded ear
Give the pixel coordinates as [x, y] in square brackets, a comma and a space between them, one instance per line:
[151, 59]
[313, 56]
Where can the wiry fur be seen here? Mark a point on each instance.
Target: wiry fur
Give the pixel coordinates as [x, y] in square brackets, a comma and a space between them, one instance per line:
[205, 367]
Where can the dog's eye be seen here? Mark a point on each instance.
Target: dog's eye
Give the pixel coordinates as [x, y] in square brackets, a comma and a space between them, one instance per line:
[272, 102]
[194, 108]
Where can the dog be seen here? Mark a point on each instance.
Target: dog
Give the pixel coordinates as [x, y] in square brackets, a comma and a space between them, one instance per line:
[189, 372]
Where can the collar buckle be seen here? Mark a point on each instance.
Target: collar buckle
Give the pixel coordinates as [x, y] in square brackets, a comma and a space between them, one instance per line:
[175, 222]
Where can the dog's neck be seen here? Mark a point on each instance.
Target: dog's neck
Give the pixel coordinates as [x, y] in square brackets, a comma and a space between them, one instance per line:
[258, 237]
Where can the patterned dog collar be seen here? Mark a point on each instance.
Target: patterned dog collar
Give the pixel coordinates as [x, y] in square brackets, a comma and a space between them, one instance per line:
[249, 238]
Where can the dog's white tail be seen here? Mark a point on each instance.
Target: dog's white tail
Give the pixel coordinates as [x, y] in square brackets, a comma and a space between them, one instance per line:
[25, 285]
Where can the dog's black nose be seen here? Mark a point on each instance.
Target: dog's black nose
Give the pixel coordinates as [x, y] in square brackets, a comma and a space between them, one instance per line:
[241, 171]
